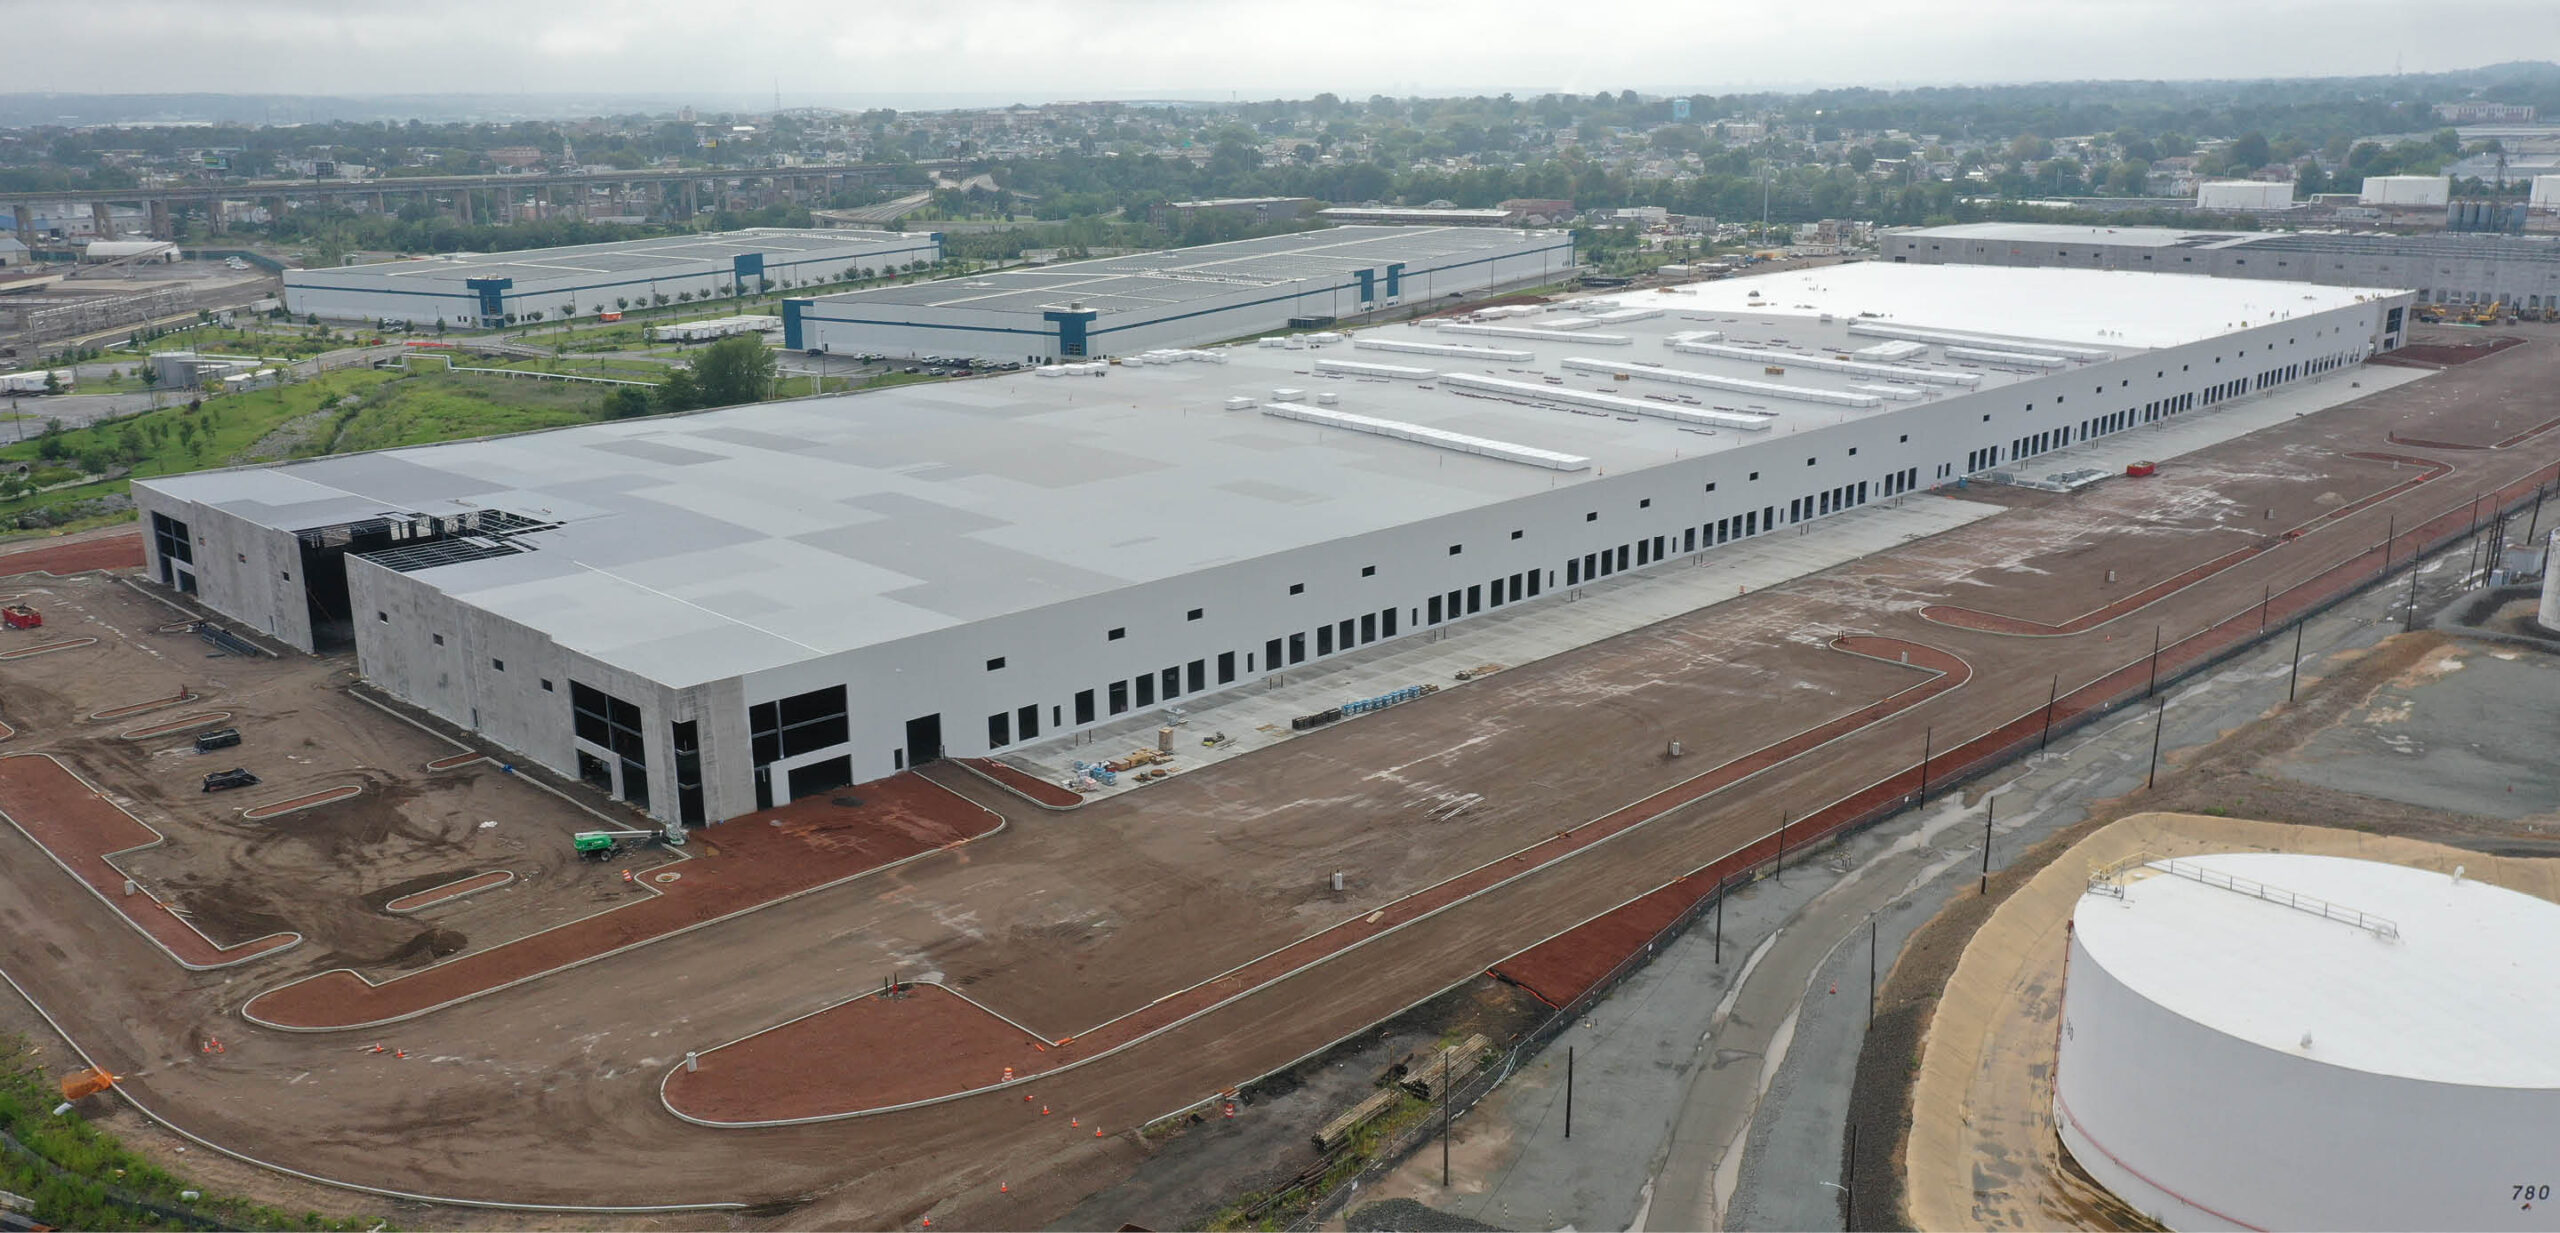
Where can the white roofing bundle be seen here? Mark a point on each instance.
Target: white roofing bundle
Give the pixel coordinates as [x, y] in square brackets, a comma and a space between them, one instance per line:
[1522, 331]
[1735, 385]
[1876, 329]
[1747, 421]
[1455, 351]
[1824, 363]
[1354, 368]
[2021, 358]
[1459, 441]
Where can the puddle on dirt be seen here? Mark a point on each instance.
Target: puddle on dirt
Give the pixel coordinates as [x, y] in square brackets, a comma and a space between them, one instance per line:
[429, 946]
[227, 921]
[342, 831]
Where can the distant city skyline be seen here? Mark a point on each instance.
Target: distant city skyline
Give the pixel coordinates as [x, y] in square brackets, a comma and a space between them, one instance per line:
[1033, 51]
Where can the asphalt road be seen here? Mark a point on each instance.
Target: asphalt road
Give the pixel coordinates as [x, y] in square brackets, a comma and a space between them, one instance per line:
[1711, 1089]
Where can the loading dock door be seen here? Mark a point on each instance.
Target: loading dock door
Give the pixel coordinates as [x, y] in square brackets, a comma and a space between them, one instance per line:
[924, 739]
[822, 776]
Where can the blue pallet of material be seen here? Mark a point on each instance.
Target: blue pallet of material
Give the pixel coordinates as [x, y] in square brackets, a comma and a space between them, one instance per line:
[1382, 701]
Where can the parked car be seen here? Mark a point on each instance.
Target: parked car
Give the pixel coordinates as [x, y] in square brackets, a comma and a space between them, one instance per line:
[236, 777]
[218, 738]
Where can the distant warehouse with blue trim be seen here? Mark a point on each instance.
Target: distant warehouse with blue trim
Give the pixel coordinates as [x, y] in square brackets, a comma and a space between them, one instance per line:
[1179, 298]
[485, 290]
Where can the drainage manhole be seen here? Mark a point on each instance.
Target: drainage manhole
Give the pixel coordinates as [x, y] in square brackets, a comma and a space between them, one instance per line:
[668, 876]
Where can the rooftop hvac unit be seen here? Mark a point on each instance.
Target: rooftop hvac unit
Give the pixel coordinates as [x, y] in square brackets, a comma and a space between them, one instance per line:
[1239, 404]
[1285, 394]
[1327, 398]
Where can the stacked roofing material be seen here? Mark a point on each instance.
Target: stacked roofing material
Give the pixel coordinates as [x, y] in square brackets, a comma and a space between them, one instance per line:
[1731, 385]
[1461, 442]
[1355, 368]
[1455, 351]
[1923, 334]
[1537, 334]
[1747, 421]
[1824, 363]
[2023, 359]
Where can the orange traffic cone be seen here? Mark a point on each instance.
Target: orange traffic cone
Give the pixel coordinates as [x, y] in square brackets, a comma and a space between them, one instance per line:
[377, 1048]
[1004, 1188]
[1008, 1074]
[401, 1054]
[1074, 1122]
[1097, 1132]
[1044, 1110]
[1835, 987]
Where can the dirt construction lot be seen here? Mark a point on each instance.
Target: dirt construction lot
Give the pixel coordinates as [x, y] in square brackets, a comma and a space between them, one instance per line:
[549, 1092]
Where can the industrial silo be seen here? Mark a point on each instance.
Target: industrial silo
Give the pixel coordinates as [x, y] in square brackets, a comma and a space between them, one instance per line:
[2276, 1041]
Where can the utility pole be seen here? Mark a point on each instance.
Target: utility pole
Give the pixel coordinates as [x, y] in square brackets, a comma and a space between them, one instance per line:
[1928, 739]
[2051, 694]
[2387, 538]
[1987, 803]
[1445, 1085]
[2268, 597]
[1719, 920]
[2162, 721]
[1781, 875]
[2409, 619]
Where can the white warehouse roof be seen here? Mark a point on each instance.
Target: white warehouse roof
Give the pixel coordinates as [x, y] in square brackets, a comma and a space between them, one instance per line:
[662, 256]
[693, 548]
[1159, 282]
[2467, 992]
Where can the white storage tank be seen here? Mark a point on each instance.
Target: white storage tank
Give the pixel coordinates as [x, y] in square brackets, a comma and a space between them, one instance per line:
[2275, 1041]
[2405, 190]
[2548, 613]
[2244, 195]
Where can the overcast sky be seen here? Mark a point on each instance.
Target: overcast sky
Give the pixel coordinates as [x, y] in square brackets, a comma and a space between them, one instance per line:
[1038, 50]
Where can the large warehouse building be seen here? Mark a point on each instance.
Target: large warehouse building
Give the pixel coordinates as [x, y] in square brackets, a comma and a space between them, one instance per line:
[707, 613]
[482, 290]
[2519, 271]
[1178, 298]
[2267, 1040]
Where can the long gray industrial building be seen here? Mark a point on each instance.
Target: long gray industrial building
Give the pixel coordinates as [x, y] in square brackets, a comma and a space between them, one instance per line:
[1177, 298]
[2522, 272]
[485, 290]
[705, 614]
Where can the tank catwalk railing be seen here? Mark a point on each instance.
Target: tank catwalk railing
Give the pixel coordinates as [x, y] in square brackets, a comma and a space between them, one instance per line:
[2380, 927]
